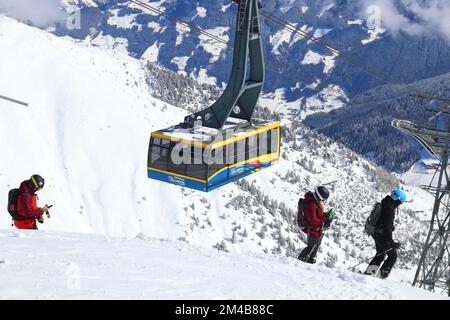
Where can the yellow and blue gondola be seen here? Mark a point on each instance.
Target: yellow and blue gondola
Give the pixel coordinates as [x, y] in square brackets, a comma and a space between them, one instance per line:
[223, 142]
[213, 158]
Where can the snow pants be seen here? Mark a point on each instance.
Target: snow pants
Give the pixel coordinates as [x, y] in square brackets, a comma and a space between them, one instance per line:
[309, 253]
[382, 245]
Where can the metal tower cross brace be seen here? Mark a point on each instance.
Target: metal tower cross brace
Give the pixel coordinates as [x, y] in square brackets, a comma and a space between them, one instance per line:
[244, 87]
[433, 270]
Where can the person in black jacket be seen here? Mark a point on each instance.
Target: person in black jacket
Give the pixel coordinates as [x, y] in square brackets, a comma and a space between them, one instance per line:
[384, 243]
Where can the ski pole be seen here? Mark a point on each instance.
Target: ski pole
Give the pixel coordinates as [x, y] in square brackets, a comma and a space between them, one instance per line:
[319, 242]
[314, 247]
[310, 253]
[367, 260]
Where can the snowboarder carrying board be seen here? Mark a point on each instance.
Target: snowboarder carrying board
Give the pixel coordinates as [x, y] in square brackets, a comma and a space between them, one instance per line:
[22, 204]
[313, 221]
[382, 234]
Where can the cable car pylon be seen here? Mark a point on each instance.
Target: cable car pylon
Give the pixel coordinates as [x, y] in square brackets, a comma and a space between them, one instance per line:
[241, 94]
[433, 270]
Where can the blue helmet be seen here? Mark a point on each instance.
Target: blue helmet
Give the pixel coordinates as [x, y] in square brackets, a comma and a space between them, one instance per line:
[398, 194]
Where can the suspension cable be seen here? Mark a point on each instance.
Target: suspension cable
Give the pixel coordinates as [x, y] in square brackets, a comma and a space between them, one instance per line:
[273, 66]
[339, 53]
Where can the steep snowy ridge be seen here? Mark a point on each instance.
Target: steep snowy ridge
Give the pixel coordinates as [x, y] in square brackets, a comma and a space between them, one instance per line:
[61, 269]
[87, 129]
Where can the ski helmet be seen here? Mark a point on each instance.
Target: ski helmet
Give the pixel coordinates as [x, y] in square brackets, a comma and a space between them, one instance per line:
[37, 181]
[398, 194]
[322, 193]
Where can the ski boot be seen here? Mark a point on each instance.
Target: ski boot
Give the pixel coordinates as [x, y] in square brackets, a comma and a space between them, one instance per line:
[372, 270]
[384, 273]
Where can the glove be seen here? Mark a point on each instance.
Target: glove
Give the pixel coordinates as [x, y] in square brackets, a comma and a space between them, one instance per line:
[327, 224]
[331, 213]
[40, 219]
[396, 245]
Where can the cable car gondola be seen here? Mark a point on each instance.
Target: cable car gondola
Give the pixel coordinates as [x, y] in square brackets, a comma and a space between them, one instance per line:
[203, 161]
[222, 143]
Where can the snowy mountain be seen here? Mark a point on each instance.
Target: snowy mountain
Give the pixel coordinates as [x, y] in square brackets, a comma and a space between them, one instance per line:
[303, 78]
[365, 124]
[87, 130]
[300, 71]
[61, 269]
[422, 173]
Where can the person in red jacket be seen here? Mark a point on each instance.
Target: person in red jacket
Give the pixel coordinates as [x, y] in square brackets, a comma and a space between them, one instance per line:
[317, 220]
[27, 203]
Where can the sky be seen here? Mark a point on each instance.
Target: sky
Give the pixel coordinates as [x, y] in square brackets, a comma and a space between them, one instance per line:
[425, 17]
[41, 13]
[415, 17]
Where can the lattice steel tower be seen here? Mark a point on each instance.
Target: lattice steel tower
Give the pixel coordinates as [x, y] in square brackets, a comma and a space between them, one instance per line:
[433, 270]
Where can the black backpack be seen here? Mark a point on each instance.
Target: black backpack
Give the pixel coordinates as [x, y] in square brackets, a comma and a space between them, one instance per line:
[370, 227]
[301, 219]
[13, 195]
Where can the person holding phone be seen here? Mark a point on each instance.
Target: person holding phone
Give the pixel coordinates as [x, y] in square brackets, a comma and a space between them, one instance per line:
[27, 210]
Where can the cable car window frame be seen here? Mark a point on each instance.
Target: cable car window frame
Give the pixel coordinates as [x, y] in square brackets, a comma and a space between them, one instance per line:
[269, 141]
[262, 142]
[193, 170]
[229, 154]
[275, 139]
[249, 146]
[156, 141]
[239, 152]
[213, 168]
[171, 166]
[156, 145]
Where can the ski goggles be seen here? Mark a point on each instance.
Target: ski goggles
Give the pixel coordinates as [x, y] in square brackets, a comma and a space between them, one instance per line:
[37, 185]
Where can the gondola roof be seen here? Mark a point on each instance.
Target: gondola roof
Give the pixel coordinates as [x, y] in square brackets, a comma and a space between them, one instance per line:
[235, 129]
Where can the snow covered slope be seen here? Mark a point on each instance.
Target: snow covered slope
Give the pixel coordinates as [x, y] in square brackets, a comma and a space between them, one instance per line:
[61, 269]
[87, 130]
[422, 173]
